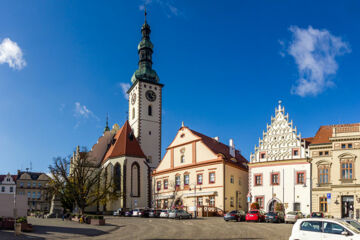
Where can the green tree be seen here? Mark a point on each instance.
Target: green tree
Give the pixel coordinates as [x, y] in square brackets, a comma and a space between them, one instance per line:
[255, 205]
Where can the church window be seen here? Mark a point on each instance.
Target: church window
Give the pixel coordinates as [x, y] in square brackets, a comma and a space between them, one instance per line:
[149, 132]
[135, 180]
[166, 183]
[117, 177]
[150, 110]
[182, 159]
[133, 113]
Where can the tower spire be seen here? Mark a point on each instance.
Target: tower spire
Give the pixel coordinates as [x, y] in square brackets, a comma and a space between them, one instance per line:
[107, 123]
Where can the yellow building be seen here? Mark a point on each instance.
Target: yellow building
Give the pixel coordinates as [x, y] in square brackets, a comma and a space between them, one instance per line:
[199, 172]
[335, 152]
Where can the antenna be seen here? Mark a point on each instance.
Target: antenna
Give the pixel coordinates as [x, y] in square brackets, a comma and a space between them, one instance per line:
[30, 166]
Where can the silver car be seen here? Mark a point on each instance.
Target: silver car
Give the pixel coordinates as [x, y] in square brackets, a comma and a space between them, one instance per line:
[292, 217]
[179, 214]
[164, 213]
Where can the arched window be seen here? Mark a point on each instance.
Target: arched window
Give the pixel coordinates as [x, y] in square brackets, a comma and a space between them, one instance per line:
[133, 113]
[135, 180]
[150, 110]
[117, 177]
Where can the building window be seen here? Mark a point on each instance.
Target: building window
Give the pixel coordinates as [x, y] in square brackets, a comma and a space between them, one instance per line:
[166, 202]
[166, 184]
[200, 201]
[300, 178]
[296, 206]
[158, 203]
[21, 184]
[117, 177]
[133, 113]
[350, 145]
[320, 153]
[212, 177]
[232, 179]
[29, 194]
[296, 152]
[323, 204]
[212, 201]
[158, 185]
[258, 179]
[177, 181]
[34, 195]
[275, 178]
[2, 189]
[262, 155]
[39, 195]
[11, 189]
[326, 153]
[346, 169]
[150, 110]
[34, 184]
[199, 179]
[260, 201]
[232, 202]
[135, 180]
[8, 179]
[324, 174]
[239, 182]
[182, 159]
[186, 179]
[39, 185]
[343, 146]
[29, 184]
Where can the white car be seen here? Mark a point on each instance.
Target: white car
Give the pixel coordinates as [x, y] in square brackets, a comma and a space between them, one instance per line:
[164, 214]
[322, 228]
[136, 212]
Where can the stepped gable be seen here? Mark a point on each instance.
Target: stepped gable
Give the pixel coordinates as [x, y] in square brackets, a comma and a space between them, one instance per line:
[279, 139]
[219, 148]
[124, 143]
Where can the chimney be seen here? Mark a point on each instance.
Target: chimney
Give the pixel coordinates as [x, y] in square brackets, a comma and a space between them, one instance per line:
[232, 147]
[216, 138]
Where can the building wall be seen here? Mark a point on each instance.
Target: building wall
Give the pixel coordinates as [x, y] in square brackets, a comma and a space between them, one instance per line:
[288, 191]
[236, 190]
[7, 205]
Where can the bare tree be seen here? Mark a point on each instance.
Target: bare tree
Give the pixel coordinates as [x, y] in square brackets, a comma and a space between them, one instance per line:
[84, 185]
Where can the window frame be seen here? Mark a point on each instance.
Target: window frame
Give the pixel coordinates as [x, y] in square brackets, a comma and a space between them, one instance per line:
[166, 186]
[324, 167]
[323, 203]
[297, 177]
[278, 178]
[176, 182]
[188, 178]
[232, 179]
[197, 178]
[261, 179]
[210, 181]
[158, 185]
[212, 204]
[348, 169]
[261, 204]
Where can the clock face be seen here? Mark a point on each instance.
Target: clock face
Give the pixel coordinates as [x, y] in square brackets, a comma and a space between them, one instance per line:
[150, 95]
[133, 99]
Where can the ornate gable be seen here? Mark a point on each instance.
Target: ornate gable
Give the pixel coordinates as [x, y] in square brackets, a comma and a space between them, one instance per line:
[280, 141]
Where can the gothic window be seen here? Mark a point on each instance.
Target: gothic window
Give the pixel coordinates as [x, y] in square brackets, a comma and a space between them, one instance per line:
[135, 180]
[133, 113]
[117, 177]
[150, 110]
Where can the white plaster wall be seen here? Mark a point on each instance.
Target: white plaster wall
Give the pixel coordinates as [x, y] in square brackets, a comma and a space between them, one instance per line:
[287, 191]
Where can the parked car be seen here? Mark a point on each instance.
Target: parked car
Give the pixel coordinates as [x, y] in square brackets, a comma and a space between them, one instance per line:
[144, 213]
[136, 212]
[292, 217]
[352, 222]
[255, 216]
[235, 216]
[154, 213]
[317, 215]
[119, 212]
[179, 214]
[274, 217]
[164, 214]
[129, 213]
[321, 228]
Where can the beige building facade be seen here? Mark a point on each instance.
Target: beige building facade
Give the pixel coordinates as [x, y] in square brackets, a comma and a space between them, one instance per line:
[199, 173]
[335, 152]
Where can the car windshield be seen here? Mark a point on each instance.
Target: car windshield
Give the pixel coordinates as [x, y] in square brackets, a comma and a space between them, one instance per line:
[253, 212]
[355, 224]
[271, 214]
[351, 227]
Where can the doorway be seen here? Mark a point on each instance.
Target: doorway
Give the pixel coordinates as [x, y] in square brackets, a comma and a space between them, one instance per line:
[347, 206]
[272, 206]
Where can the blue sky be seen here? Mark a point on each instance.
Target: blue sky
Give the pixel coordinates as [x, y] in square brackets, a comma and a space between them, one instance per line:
[225, 65]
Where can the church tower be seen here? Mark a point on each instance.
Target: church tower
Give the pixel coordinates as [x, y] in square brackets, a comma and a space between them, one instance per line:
[145, 96]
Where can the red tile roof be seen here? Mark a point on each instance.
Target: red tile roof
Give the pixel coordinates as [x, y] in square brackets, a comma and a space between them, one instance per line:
[218, 147]
[324, 133]
[124, 144]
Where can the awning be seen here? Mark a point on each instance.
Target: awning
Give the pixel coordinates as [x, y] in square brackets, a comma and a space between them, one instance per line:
[161, 197]
[199, 194]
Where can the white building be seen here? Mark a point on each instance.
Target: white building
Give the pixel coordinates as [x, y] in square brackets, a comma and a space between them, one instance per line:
[279, 169]
[7, 184]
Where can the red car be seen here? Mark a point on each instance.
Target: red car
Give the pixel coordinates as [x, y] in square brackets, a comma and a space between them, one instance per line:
[255, 216]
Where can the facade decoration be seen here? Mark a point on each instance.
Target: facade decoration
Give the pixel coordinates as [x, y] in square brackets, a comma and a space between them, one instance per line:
[279, 169]
[200, 174]
[335, 152]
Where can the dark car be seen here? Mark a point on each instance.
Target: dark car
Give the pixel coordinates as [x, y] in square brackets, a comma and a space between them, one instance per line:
[317, 215]
[144, 213]
[128, 213]
[235, 216]
[274, 217]
[154, 213]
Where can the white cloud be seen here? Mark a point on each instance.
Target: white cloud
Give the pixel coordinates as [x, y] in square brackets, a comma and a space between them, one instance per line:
[167, 6]
[81, 112]
[125, 87]
[314, 52]
[11, 54]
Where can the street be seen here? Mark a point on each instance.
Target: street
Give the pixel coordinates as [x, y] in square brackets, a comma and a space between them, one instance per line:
[153, 228]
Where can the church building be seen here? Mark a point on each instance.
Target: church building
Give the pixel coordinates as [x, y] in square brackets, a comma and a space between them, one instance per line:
[279, 169]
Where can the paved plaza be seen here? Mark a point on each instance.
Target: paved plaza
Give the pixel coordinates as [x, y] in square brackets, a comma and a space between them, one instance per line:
[152, 228]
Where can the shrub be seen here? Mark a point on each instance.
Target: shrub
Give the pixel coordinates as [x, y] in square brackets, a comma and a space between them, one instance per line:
[279, 207]
[255, 205]
[21, 220]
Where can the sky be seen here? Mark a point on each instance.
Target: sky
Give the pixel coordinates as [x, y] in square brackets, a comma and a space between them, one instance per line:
[225, 65]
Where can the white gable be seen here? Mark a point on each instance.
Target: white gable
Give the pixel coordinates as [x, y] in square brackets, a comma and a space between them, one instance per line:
[280, 140]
